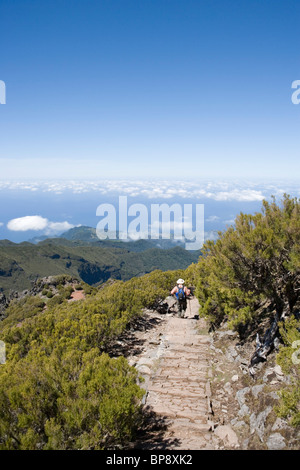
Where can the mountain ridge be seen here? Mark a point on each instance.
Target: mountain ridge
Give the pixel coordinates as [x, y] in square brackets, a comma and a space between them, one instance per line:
[79, 253]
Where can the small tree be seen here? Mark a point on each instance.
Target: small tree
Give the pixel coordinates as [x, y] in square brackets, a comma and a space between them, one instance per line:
[257, 259]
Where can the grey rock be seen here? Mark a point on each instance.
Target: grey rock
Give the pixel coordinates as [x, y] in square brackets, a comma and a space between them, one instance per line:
[279, 424]
[244, 411]
[240, 395]
[221, 334]
[256, 389]
[276, 442]
[245, 444]
[274, 395]
[239, 359]
[227, 434]
[143, 369]
[278, 370]
[269, 375]
[257, 423]
[236, 423]
[232, 351]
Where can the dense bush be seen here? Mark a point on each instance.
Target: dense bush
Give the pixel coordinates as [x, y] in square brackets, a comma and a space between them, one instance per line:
[289, 360]
[258, 259]
[68, 400]
[59, 389]
[19, 310]
[257, 262]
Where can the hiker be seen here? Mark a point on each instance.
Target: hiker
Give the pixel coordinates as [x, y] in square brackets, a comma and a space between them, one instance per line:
[181, 292]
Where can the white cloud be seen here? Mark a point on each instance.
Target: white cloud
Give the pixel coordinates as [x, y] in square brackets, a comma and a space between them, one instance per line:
[229, 222]
[212, 218]
[212, 235]
[217, 190]
[1, 223]
[58, 227]
[238, 195]
[29, 222]
[37, 223]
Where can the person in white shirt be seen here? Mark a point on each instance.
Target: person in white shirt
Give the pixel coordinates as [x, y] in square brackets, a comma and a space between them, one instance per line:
[181, 292]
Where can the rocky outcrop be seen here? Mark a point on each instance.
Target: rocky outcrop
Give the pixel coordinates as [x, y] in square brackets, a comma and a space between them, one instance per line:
[51, 283]
[243, 406]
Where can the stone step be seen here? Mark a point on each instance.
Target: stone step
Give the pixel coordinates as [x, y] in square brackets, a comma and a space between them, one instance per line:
[171, 410]
[195, 401]
[168, 375]
[198, 406]
[198, 416]
[180, 427]
[187, 339]
[184, 370]
[166, 372]
[179, 382]
[178, 392]
[183, 357]
[174, 388]
[190, 350]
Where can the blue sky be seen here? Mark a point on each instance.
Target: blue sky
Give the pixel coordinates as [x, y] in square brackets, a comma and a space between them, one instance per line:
[154, 88]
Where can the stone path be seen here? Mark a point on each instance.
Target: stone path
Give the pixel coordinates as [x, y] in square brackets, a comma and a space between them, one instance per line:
[176, 380]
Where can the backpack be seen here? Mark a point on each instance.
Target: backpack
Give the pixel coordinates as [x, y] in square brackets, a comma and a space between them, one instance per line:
[180, 294]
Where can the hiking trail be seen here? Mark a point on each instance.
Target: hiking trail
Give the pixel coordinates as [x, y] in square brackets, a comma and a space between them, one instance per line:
[174, 362]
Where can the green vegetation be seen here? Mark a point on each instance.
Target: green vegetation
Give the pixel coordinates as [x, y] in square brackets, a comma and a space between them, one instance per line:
[289, 360]
[62, 387]
[59, 388]
[94, 263]
[257, 263]
[257, 260]
[19, 310]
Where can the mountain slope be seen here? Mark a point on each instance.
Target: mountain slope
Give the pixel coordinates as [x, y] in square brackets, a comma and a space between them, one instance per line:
[22, 263]
[88, 235]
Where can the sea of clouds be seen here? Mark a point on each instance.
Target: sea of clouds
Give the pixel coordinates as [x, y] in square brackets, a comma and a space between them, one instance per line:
[217, 190]
[30, 208]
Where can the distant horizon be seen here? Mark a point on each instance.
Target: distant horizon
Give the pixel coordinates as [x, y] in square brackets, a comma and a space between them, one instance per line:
[49, 207]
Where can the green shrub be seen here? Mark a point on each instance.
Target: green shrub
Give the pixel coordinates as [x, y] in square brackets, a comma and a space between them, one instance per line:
[67, 292]
[78, 287]
[288, 359]
[69, 400]
[55, 300]
[19, 310]
[256, 260]
[59, 389]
